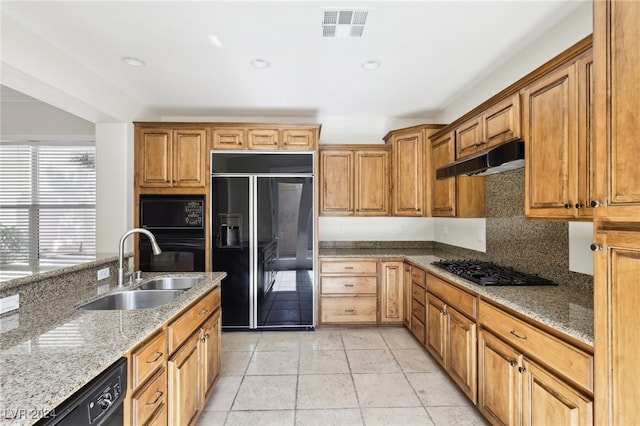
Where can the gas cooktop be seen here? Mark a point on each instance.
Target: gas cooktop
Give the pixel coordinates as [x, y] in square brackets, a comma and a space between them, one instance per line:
[489, 274]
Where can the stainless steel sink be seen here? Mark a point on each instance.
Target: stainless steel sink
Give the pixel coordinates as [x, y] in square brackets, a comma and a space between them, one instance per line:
[171, 283]
[131, 300]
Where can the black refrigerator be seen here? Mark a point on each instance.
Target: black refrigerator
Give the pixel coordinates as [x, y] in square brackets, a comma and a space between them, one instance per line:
[263, 237]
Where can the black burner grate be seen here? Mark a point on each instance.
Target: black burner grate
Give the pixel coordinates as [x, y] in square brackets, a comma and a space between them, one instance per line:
[489, 274]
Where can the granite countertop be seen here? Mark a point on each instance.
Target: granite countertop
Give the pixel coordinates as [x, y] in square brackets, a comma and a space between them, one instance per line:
[565, 308]
[49, 350]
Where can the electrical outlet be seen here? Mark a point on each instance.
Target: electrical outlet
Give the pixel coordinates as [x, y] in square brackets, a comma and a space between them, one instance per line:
[8, 304]
[103, 273]
[446, 231]
[342, 229]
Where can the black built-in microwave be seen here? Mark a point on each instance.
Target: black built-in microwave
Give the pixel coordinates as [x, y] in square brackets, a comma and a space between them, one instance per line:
[177, 222]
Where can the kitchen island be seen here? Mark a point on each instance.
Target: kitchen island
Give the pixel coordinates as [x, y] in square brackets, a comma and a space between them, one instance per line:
[49, 349]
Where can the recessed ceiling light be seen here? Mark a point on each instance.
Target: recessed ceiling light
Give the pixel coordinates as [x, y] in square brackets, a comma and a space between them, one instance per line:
[260, 63]
[215, 40]
[134, 62]
[371, 65]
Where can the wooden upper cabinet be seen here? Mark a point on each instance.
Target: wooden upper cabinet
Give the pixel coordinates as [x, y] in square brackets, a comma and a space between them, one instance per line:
[587, 158]
[170, 157]
[302, 139]
[372, 183]
[458, 196]
[501, 122]
[265, 137]
[354, 181]
[498, 124]
[228, 138]
[443, 200]
[617, 61]
[469, 137]
[550, 125]
[336, 183]
[408, 174]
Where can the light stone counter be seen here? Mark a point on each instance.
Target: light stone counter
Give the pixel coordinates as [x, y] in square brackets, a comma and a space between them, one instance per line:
[565, 308]
[49, 349]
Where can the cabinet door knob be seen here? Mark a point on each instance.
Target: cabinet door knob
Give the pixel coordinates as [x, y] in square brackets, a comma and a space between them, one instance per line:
[521, 370]
[579, 205]
[513, 363]
[595, 247]
[595, 203]
[567, 205]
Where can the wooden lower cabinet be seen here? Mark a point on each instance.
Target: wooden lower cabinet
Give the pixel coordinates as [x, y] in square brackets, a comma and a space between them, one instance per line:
[210, 353]
[150, 401]
[406, 282]
[499, 383]
[547, 400]
[451, 340]
[174, 371]
[147, 386]
[391, 292]
[514, 390]
[184, 383]
[528, 377]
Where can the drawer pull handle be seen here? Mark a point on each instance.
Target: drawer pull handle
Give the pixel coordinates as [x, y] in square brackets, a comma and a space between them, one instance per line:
[348, 267]
[348, 285]
[348, 310]
[203, 312]
[155, 401]
[518, 336]
[158, 356]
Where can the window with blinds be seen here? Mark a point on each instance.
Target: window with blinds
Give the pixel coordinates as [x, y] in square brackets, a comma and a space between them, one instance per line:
[47, 206]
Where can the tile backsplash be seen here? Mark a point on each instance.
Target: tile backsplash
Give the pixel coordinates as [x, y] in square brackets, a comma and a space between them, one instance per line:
[533, 246]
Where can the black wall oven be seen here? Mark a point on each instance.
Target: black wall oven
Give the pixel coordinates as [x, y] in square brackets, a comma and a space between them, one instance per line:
[177, 222]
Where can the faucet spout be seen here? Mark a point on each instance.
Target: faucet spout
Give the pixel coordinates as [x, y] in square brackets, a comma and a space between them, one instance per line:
[154, 246]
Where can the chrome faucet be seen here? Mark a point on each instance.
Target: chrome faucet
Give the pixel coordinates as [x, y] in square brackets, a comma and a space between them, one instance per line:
[154, 245]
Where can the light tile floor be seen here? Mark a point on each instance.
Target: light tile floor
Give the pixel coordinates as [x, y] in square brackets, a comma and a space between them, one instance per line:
[333, 376]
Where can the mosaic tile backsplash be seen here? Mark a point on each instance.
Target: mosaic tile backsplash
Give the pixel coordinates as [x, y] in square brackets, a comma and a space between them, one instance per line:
[533, 246]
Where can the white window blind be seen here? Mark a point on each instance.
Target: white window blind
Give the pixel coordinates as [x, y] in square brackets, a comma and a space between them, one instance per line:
[47, 206]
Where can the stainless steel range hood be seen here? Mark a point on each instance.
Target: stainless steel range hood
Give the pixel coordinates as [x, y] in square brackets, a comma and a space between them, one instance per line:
[505, 157]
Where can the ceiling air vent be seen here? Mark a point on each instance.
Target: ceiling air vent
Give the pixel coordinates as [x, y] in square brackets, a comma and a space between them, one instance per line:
[343, 23]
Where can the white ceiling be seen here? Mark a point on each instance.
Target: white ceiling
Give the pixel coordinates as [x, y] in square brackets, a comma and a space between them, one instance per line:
[430, 51]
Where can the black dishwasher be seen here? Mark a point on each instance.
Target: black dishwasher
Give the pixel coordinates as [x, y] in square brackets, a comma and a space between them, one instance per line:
[99, 403]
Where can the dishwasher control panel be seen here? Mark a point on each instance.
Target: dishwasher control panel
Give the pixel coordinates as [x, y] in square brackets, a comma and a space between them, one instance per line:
[104, 398]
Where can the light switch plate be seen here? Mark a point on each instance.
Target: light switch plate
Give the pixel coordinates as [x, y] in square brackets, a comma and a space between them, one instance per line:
[8, 304]
[103, 273]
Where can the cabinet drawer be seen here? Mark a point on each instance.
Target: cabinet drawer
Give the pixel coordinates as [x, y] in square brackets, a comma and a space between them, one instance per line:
[418, 277]
[180, 329]
[462, 301]
[361, 267]
[562, 357]
[418, 293]
[147, 358]
[149, 399]
[417, 328]
[348, 309]
[349, 285]
[418, 310]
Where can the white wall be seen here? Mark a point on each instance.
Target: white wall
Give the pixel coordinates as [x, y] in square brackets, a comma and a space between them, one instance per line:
[580, 254]
[467, 233]
[375, 229]
[114, 170]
